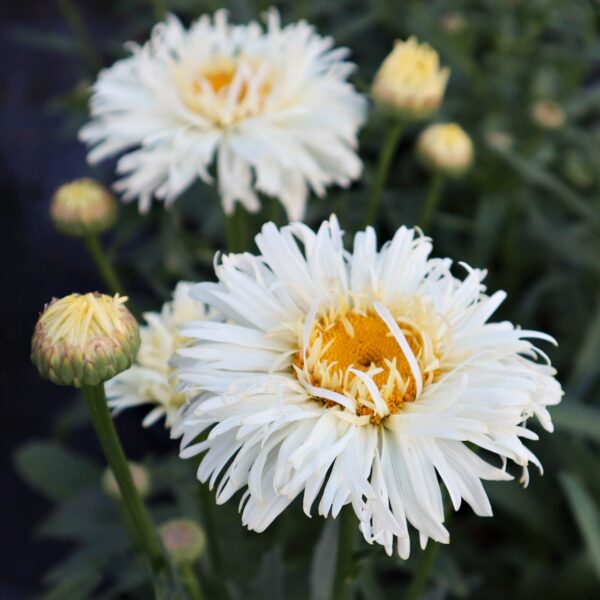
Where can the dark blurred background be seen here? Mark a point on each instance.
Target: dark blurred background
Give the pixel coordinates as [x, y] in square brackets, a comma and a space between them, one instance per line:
[38, 152]
[529, 211]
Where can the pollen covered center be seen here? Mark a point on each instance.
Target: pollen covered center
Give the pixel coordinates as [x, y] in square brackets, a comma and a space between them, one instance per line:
[226, 89]
[342, 344]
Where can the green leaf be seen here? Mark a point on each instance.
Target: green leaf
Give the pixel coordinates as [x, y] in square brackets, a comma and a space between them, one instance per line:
[54, 471]
[586, 514]
[522, 504]
[71, 519]
[547, 181]
[586, 361]
[577, 418]
[78, 586]
[269, 580]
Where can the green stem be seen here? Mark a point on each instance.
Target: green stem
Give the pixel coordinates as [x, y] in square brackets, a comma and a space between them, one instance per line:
[301, 9]
[74, 20]
[343, 570]
[236, 229]
[190, 581]
[160, 9]
[102, 263]
[388, 149]
[212, 538]
[426, 561]
[431, 201]
[111, 446]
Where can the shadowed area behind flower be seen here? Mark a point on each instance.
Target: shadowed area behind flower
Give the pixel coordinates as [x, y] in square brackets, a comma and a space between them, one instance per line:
[522, 87]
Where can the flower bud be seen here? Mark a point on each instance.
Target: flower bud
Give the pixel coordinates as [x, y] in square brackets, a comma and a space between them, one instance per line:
[183, 539]
[410, 80]
[548, 114]
[453, 22]
[84, 339]
[445, 148]
[498, 139]
[83, 207]
[139, 474]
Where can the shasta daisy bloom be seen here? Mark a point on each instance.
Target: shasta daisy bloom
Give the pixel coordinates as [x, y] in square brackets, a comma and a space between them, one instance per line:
[360, 377]
[271, 107]
[150, 380]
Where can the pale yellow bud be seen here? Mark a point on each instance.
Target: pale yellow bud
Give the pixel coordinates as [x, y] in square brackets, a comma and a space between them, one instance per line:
[184, 540]
[445, 148]
[453, 23]
[83, 207]
[84, 339]
[548, 114]
[410, 80]
[139, 474]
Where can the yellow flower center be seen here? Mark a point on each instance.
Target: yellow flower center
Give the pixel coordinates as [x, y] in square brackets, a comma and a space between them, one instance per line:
[218, 79]
[343, 344]
[226, 90]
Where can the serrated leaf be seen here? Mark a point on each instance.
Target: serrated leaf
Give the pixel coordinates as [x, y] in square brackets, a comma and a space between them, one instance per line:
[586, 514]
[54, 471]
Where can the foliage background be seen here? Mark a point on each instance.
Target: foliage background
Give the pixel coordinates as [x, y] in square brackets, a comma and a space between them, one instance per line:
[529, 212]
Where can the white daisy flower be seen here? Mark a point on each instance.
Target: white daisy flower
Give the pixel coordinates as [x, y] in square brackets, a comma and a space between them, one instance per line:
[271, 106]
[150, 380]
[357, 378]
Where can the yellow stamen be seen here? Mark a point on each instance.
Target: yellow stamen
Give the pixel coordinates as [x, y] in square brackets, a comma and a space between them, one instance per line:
[361, 341]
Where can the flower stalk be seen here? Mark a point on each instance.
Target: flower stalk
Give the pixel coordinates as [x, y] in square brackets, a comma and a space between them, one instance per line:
[235, 229]
[190, 581]
[432, 200]
[424, 566]
[133, 505]
[388, 150]
[160, 9]
[103, 264]
[344, 564]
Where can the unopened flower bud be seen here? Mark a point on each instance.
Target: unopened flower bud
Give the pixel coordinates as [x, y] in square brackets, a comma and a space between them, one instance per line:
[410, 80]
[453, 22]
[500, 140]
[183, 539]
[139, 474]
[548, 114]
[445, 148]
[83, 207]
[84, 339]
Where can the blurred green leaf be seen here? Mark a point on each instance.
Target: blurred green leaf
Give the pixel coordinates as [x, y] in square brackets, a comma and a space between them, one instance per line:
[578, 419]
[54, 471]
[547, 181]
[77, 586]
[586, 514]
[522, 504]
[269, 580]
